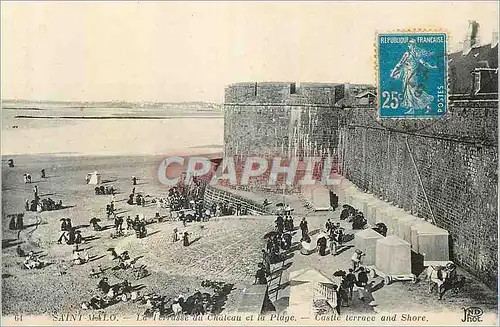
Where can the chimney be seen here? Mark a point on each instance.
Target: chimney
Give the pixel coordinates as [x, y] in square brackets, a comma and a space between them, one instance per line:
[471, 37]
[494, 39]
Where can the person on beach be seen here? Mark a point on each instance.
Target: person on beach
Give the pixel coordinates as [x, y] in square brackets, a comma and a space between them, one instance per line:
[335, 302]
[118, 221]
[32, 262]
[185, 239]
[130, 223]
[63, 231]
[104, 285]
[78, 238]
[266, 261]
[71, 236]
[175, 235]
[289, 223]
[328, 226]
[304, 228]
[333, 244]
[356, 259]
[42, 172]
[94, 222]
[260, 275]
[35, 191]
[338, 237]
[279, 224]
[287, 240]
[344, 214]
[20, 252]
[134, 180]
[362, 283]
[80, 258]
[321, 243]
[350, 280]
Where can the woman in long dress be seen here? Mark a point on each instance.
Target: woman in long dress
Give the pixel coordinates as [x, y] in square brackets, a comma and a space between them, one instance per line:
[412, 66]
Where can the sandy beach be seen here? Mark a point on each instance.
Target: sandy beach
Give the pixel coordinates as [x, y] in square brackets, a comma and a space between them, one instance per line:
[165, 261]
[118, 148]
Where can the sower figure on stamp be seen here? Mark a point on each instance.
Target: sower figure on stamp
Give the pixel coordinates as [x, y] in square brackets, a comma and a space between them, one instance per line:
[412, 64]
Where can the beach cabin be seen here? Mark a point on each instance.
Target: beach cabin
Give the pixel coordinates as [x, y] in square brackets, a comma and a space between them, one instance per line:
[93, 178]
[308, 286]
[254, 300]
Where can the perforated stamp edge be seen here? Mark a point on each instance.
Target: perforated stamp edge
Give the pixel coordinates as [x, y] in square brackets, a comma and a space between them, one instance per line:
[376, 71]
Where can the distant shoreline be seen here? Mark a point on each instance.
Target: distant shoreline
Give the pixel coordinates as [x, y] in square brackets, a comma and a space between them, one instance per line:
[116, 117]
[27, 108]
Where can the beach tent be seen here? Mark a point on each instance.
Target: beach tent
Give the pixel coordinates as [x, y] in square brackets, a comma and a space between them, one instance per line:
[307, 286]
[253, 299]
[93, 178]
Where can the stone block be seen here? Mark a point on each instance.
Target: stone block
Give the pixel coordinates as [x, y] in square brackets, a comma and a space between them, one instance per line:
[393, 256]
[393, 221]
[403, 227]
[414, 233]
[432, 242]
[371, 213]
[366, 241]
[383, 213]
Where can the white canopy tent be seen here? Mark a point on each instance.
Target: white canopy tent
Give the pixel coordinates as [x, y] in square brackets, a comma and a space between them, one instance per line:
[93, 178]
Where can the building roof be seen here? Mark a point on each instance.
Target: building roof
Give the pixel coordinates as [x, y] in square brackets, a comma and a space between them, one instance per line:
[365, 93]
[309, 275]
[461, 67]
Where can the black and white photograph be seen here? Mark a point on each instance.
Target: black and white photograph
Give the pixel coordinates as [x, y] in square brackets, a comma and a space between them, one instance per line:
[249, 163]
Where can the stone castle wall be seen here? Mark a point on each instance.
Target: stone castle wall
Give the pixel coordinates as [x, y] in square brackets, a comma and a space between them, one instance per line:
[441, 169]
[269, 119]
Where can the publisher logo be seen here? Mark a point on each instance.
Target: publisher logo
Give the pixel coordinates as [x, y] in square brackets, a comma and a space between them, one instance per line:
[472, 314]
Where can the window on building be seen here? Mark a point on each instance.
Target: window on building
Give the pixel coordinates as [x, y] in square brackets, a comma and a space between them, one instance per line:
[477, 81]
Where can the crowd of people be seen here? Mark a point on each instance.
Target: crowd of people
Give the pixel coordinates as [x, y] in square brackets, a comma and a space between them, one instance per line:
[278, 244]
[188, 203]
[353, 216]
[104, 190]
[333, 237]
[38, 204]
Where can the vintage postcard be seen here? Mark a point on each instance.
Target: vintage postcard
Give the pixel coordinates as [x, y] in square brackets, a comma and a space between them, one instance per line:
[249, 163]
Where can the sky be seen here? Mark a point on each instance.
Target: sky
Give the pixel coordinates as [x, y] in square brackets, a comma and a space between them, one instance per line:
[189, 51]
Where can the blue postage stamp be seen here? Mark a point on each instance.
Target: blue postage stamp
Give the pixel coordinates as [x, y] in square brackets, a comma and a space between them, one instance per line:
[412, 80]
